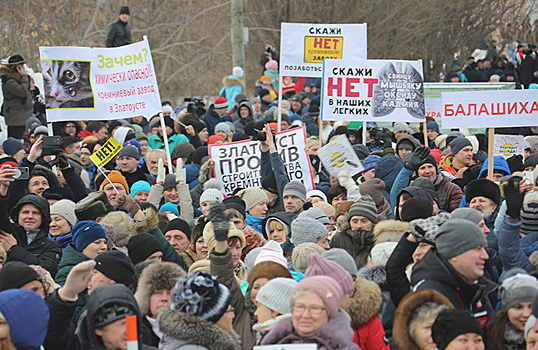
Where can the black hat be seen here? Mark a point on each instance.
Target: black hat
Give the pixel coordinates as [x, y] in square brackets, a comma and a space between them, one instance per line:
[240, 98]
[289, 94]
[313, 111]
[142, 246]
[269, 183]
[450, 323]
[483, 188]
[236, 203]
[115, 265]
[58, 193]
[124, 10]
[263, 92]
[198, 154]
[416, 208]
[179, 224]
[16, 59]
[16, 274]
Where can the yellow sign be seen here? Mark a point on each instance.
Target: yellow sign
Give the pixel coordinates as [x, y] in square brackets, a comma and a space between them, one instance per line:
[316, 48]
[106, 152]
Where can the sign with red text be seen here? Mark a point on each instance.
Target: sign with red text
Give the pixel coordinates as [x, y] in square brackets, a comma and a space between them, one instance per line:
[373, 90]
[91, 83]
[490, 109]
[238, 164]
[303, 46]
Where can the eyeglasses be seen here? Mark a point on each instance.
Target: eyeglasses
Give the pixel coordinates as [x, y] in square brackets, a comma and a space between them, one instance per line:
[70, 125]
[314, 310]
[231, 310]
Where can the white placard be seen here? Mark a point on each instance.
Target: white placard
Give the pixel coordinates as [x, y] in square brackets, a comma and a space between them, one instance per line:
[339, 155]
[303, 46]
[373, 90]
[508, 145]
[87, 83]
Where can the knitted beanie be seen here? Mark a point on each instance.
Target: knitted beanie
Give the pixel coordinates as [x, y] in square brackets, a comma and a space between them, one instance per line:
[456, 236]
[169, 182]
[171, 207]
[362, 151]
[416, 208]
[115, 177]
[142, 246]
[115, 265]
[233, 202]
[251, 258]
[326, 288]
[450, 323]
[86, 232]
[267, 269]
[365, 207]
[272, 251]
[271, 64]
[374, 188]
[318, 266]
[327, 209]
[138, 186]
[381, 253]
[237, 72]
[12, 146]
[269, 183]
[469, 214]
[66, 209]
[342, 258]
[307, 230]
[520, 288]
[182, 150]
[317, 194]
[129, 151]
[458, 144]
[222, 126]
[58, 193]
[295, 188]
[252, 196]
[316, 214]
[276, 294]
[432, 126]
[211, 195]
[300, 254]
[201, 295]
[179, 224]
[529, 217]
[400, 126]
[16, 274]
[370, 162]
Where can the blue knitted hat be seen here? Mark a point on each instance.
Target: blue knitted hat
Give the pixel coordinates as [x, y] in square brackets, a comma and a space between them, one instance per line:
[86, 232]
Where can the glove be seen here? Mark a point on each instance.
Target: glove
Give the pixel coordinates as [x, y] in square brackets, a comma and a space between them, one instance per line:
[179, 171]
[425, 230]
[412, 161]
[514, 198]
[77, 280]
[126, 203]
[160, 172]
[221, 221]
[346, 181]
[387, 140]
[61, 159]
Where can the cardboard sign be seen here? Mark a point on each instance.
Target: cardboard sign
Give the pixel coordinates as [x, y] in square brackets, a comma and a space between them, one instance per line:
[490, 109]
[90, 83]
[106, 152]
[303, 46]
[373, 90]
[237, 164]
[508, 145]
[339, 155]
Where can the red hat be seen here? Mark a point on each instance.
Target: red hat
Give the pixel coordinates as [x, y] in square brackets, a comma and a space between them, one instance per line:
[221, 102]
[214, 139]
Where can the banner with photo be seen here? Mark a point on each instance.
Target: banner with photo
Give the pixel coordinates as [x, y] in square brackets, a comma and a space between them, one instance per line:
[303, 46]
[92, 83]
[339, 155]
[238, 164]
[373, 90]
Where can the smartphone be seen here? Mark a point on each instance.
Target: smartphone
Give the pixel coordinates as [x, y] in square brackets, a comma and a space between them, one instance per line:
[50, 144]
[528, 176]
[21, 173]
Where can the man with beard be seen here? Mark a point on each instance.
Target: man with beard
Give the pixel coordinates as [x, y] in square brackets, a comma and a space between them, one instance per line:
[485, 196]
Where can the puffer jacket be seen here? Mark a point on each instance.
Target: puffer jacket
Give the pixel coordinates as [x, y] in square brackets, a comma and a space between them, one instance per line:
[17, 105]
[357, 243]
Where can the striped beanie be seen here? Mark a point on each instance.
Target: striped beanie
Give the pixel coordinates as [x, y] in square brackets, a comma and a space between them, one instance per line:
[365, 206]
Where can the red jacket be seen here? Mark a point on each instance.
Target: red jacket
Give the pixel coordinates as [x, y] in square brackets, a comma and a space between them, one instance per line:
[371, 335]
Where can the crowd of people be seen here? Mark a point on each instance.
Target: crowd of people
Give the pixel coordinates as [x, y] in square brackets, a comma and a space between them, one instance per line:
[420, 250]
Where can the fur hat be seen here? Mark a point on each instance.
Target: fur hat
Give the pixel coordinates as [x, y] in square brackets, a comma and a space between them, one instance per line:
[66, 209]
[300, 254]
[253, 240]
[159, 275]
[381, 253]
[326, 288]
[389, 231]
[252, 196]
[483, 188]
[318, 266]
[123, 226]
[267, 269]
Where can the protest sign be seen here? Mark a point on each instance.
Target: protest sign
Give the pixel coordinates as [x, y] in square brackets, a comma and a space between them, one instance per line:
[106, 152]
[339, 155]
[490, 109]
[238, 164]
[373, 90]
[303, 46]
[287, 347]
[508, 145]
[90, 83]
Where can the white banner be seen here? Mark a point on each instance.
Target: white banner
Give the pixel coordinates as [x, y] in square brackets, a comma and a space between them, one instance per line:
[90, 83]
[373, 90]
[490, 109]
[508, 145]
[339, 155]
[237, 164]
[303, 46]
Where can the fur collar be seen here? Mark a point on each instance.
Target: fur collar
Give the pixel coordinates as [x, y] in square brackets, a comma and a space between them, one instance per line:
[232, 80]
[364, 303]
[389, 231]
[7, 73]
[377, 274]
[193, 330]
[267, 325]
[148, 224]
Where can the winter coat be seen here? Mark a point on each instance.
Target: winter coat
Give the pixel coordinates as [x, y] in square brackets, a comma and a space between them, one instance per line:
[70, 258]
[445, 165]
[138, 175]
[212, 118]
[357, 243]
[119, 34]
[262, 329]
[240, 123]
[189, 257]
[273, 74]
[184, 331]
[232, 86]
[312, 127]
[362, 307]
[17, 106]
[271, 162]
[526, 71]
[449, 194]
[155, 141]
[42, 251]
[193, 171]
[397, 282]
[335, 335]
[387, 169]
[510, 251]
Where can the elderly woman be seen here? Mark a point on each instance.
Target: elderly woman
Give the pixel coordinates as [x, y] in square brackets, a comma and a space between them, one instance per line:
[62, 220]
[315, 317]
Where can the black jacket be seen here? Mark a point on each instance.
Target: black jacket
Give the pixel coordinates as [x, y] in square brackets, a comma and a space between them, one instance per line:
[357, 243]
[119, 34]
[397, 281]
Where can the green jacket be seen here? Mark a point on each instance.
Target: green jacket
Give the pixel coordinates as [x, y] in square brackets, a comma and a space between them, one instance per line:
[18, 102]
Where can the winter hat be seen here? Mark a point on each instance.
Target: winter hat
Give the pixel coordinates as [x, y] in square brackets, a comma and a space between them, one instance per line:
[199, 154]
[253, 239]
[236, 203]
[66, 209]
[456, 236]
[342, 258]
[124, 10]
[169, 182]
[93, 206]
[416, 208]
[115, 265]
[271, 251]
[318, 266]
[374, 188]
[223, 127]
[122, 224]
[211, 195]
[267, 269]
[300, 254]
[316, 214]
[440, 141]
[138, 186]
[209, 235]
[400, 126]
[58, 193]
[238, 72]
[142, 246]
[269, 183]
[366, 207]
[469, 214]
[483, 188]
[432, 126]
[86, 232]
[313, 111]
[252, 196]
[362, 151]
[326, 288]
[450, 323]
[311, 141]
[307, 230]
[201, 295]
[381, 253]
[213, 139]
[12, 146]
[452, 135]
[317, 193]
[41, 130]
[32, 122]
[529, 217]
[183, 150]
[129, 151]
[276, 294]
[179, 224]
[271, 64]
[295, 188]
[220, 102]
[405, 143]
[327, 209]
[169, 206]
[519, 288]
[370, 162]
[115, 177]
[458, 144]
[16, 274]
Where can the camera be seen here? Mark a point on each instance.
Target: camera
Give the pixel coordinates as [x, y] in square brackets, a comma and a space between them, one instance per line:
[194, 105]
[376, 133]
[260, 135]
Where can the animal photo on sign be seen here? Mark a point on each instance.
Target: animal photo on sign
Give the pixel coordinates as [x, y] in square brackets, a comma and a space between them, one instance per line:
[67, 84]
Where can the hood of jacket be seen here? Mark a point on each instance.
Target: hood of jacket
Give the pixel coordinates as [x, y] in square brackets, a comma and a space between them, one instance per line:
[409, 138]
[413, 191]
[376, 274]
[7, 73]
[389, 231]
[364, 302]
[40, 203]
[181, 328]
[387, 168]
[499, 163]
[231, 80]
[284, 217]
